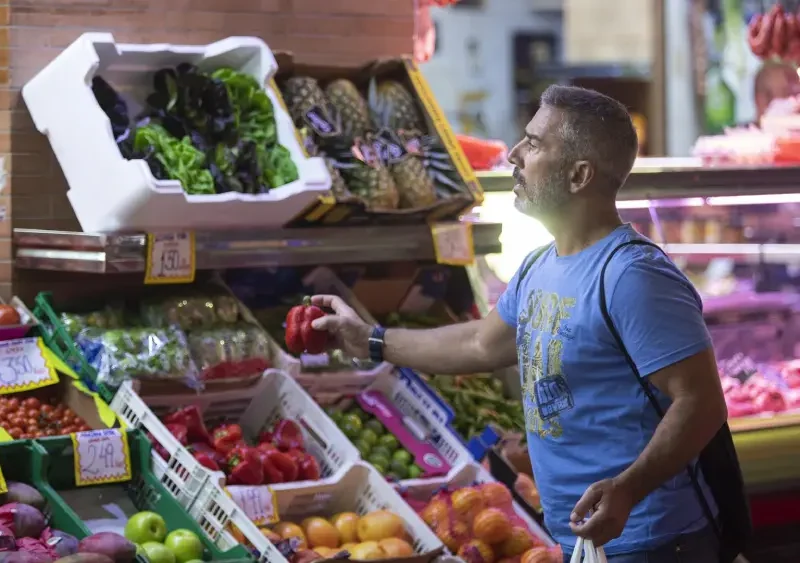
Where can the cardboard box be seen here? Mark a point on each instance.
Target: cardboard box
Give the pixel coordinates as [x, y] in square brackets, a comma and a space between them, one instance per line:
[329, 211]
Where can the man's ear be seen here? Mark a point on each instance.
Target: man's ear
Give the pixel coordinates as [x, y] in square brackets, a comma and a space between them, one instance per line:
[581, 176]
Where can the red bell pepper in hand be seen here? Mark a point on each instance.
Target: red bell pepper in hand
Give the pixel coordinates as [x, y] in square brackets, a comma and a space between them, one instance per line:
[180, 432]
[244, 466]
[226, 437]
[300, 335]
[192, 418]
[287, 435]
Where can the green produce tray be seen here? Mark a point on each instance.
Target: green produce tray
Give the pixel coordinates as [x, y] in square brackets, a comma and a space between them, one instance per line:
[53, 461]
[59, 341]
[20, 461]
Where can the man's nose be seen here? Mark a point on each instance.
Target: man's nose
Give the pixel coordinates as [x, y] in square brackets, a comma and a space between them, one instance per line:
[513, 155]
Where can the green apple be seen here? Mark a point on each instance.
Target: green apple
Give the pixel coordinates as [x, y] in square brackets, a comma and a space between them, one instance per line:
[185, 545]
[146, 527]
[158, 552]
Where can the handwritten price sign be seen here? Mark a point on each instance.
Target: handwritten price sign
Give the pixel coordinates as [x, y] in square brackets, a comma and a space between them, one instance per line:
[453, 244]
[24, 366]
[170, 258]
[101, 456]
[258, 502]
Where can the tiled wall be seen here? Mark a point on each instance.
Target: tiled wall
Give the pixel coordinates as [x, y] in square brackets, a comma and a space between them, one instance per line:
[32, 32]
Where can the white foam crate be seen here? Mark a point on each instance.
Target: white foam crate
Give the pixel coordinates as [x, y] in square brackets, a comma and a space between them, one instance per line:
[109, 193]
[468, 475]
[256, 408]
[361, 489]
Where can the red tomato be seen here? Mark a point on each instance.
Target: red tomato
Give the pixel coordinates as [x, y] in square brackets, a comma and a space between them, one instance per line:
[84, 428]
[15, 433]
[68, 430]
[13, 404]
[32, 413]
[25, 436]
[68, 413]
[47, 409]
[77, 421]
[8, 316]
[31, 403]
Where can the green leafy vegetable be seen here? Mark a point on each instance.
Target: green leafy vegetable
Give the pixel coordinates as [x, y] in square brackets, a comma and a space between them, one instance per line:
[180, 159]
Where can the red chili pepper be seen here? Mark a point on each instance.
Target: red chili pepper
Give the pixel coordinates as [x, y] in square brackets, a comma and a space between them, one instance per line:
[283, 463]
[309, 468]
[300, 335]
[287, 435]
[244, 466]
[192, 418]
[180, 432]
[226, 437]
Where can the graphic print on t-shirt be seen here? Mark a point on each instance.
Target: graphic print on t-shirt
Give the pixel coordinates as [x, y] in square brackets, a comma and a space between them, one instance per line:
[541, 326]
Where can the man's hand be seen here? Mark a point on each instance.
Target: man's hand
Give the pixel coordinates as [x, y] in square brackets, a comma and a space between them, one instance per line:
[608, 505]
[346, 328]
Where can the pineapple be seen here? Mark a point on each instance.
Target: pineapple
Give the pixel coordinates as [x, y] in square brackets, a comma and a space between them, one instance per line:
[351, 107]
[372, 184]
[415, 186]
[406, 114]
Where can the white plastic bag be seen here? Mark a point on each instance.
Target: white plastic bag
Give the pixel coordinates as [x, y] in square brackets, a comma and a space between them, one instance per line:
[586, 551]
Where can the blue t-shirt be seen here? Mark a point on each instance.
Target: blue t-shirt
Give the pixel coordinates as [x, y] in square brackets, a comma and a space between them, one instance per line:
[587, 418]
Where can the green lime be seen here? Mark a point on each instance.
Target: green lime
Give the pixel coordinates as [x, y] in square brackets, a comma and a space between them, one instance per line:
[353, 419]
[399, 469]
[389, 442]
[369, 437]
[380, 468]
[351, 426]
[403, 457]
[359, 412]
[378, 459]
[376, 426]
[415, 472]
[383, 451]
[363, 447]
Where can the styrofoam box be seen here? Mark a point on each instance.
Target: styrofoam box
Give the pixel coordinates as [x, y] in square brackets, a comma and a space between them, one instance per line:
[361, 489]
[109, 193]
[466, 476]
[256, 408]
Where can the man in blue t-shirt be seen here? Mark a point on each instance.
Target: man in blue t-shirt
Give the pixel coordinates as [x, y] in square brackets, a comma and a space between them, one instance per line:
[607, 468]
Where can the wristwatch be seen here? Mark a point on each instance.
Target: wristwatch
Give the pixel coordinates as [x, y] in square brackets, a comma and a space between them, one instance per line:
[375, 344]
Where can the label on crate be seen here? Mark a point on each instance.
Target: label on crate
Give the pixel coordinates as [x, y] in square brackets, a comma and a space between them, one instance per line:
[258, 502]
[101, 456]
[170, 258]
[24, 365]
[452, 243]
[317, 118]
[3, 485]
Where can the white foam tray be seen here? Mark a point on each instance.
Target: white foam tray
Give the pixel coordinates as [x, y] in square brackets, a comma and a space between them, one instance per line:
[109, 193]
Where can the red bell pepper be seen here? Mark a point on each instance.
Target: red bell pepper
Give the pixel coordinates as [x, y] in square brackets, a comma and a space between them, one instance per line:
[226, 437]
[283, 463]
[265, 437]
[180, 432]
[244, 467]
[309, 468]
[206, 460]
[158, 448]
[192, 418]
[271, 473]
[203, 452]
[300, 335]
[287, 435]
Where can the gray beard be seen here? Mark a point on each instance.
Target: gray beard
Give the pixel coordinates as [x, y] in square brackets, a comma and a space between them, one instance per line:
[543, 200]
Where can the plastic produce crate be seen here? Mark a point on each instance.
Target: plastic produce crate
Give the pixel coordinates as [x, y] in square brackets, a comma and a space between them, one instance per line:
[53, 461]
[138, 201]
[470, 475]
[361, 489]
[255, 408]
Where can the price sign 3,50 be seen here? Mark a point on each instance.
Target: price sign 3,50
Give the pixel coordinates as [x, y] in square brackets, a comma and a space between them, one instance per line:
[24, 366]
[101, 456]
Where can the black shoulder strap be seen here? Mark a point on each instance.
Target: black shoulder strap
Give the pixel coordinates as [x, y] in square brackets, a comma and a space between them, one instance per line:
[528, 263]
[646, 386]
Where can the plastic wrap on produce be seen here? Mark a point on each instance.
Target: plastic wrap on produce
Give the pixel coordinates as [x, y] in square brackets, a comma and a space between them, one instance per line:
[230, 352]
[138, 353]
[108, 318]
[191, 312]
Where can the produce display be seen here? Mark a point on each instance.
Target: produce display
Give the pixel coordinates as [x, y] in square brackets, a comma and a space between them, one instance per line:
[380, 534]
[149, 533]
[376, 141]
[25, 416]
[214, 132]
[478, 401]
[479, 524]
[752, 390]
[276, 456]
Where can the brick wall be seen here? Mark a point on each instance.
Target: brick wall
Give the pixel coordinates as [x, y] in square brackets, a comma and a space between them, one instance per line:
[32, 32]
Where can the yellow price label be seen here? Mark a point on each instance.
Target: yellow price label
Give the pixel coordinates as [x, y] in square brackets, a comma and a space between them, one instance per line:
[25, 364]
[453, 244]
[170, 258]
[3, 485]
[101, 456]
[258, 502]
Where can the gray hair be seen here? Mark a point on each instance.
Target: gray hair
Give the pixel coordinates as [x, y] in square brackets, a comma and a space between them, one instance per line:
[596, 128]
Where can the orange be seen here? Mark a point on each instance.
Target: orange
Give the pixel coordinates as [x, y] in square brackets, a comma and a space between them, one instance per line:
[436, 512]
[476, 551]
[496, 494]
[492, 526]
[517, 543]
[467, 502]
[321, 533]
[288, 530]
[536, 555]
[453, 536]
[395, 547]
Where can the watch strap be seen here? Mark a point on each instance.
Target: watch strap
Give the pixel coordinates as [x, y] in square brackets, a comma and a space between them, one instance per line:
[375, 344]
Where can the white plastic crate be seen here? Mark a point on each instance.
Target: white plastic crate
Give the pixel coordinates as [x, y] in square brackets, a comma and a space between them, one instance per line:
[109, 193]
[256, 408]
[361, 489]
[466, 476]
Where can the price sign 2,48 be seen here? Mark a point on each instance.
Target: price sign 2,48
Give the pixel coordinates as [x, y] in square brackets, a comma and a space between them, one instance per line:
[101, 456]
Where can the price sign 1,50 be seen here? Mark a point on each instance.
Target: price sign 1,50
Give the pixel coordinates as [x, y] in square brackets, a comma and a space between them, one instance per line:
[101, 456]
[452, 243]
[170, 258]
[24, 366]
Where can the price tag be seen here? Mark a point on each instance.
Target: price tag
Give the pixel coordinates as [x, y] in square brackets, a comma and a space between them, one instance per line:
[170, 258]
[258, 502]
[24, 365]
[453, 244]
[101, 456]
[3, 486]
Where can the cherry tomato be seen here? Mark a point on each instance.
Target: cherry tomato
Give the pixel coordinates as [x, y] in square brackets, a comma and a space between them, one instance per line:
[49, 432]
[32, 413]
[16, 420]
[77, 421]
[15, 433]
[68, 413]
[84, 428]
[25, 436]
[13, 404]
[47, 409]
[31, 403]
[3, 413]
[68, 430]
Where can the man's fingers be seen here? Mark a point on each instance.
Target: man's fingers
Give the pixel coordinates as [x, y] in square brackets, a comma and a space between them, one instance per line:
[327, 323]
[332, 302]
[586, 503]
